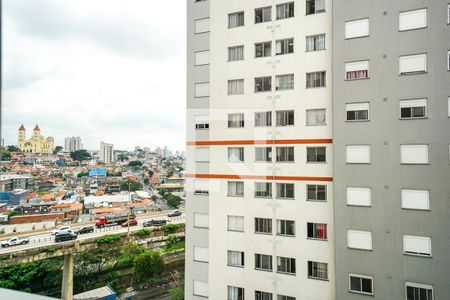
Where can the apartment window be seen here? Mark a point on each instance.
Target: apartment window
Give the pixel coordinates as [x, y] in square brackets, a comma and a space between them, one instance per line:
[415, 199]
[417, 245]
[357, 70]
[316, 192]
[284, 82]
[201, 254]
[201, 26]
[358, 196]
[416, 291]
[201, 154]
[235, 120]
[285, 117]
[315, 6]
[315, 42]
[235, 189]
[235, 223]
[285, 190]
[315, 117]
[286, 227]
[263, 14]
[317, 270]
[236, 154]
[285, 46]
[235, 258]
[201, 220]
[413, 109]
[201, 122]
[358, 239]
[413, 64]
[357, 111]
[286, 265]
[263, 262]
[200, 288]
[315, 79]
[263, 189]
[201, 58]
[235, 53]
[235, 293]
[283, 297]
[285, 154]
[413, 19]
[201, 187]
[448, 60]
[236, 19]
[263, 84]
[263, 295]
[360, 284]
[263, 154]
[357, 154]
[236, 87]
[315, 154]
[263, 49]
[263, 118]
[263, 225]
[414, 154]
[201, 90]
[285, 10]
[356, 28]
[448, 14]
[317, 231]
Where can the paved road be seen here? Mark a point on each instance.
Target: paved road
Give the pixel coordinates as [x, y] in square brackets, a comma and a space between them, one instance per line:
[40, 240]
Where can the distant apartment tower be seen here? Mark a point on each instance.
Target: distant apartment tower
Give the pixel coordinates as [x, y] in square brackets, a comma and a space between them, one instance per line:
[391, 126]
[259, 157]
[106, 152]
[72, 144]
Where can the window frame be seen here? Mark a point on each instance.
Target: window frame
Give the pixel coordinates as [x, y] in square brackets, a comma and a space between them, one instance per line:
[309, 81]
[311, 268]
[202, 32]
[262, 14]
[289, 263]
[236, 13]
[237, 217]
[259, 258]
[282, 225]
[266, 152]
[315, 42]
[286, 152]
[263, 90]
[286, 116]
[235, 48]
[285, 10]
[315, 10]
[317, 123]
[411, 109]
[239, 123]
[410, 11]
[350, 275]
[285, 86]
[316, 192]
[260, 223]
[316, 155]
[357, 112]
[263, 49]
[312, 227]
[242, 254]
[268, 191]
[284, 184]
[267, 116]
[290, 45]
[236, 189]
[419, 286]
[241, 152]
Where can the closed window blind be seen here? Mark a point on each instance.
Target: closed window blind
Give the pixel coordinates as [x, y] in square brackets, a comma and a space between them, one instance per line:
[202, 25]
[358, 154]
[356, 28]
[201, 58]
[415, 199]
[358, 239]
[413, 19]
[411, 64]
[417, 245]
[201, 89]
[359, 196]
[414, 154]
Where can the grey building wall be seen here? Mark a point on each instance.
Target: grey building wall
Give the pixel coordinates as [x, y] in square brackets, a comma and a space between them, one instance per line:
[385, 132]
[195, 106]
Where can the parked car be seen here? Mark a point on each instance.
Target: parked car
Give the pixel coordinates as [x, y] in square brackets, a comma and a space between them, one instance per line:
[66, 236]
[132, 223]
[85, 229]
[155, 222]
[14, 242]
[64, 229]
[175, 213]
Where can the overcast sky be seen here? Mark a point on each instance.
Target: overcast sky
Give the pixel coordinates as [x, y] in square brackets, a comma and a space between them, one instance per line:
[104, 70]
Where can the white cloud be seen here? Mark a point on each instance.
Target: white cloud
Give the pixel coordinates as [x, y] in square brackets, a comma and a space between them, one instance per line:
[101, 70]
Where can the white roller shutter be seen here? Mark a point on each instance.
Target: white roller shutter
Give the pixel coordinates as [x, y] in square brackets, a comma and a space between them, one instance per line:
[357, 106]
[359, 196]
[357, 28]
[201, 58]
[413, 103]
[202, 25]
[359, 239]
[419, 245]
[202, 89]
[414, 154]
[412, 19]
[201, 220]
[357, 66]
[201, 288]
[413, 64]
[201, 186]
[201, 254]
[415, 199]
[358, 154]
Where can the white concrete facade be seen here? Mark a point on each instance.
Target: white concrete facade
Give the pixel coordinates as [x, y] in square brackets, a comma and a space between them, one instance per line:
[213, 171]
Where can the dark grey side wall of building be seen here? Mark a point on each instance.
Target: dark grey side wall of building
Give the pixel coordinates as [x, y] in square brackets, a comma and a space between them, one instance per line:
[385, 132]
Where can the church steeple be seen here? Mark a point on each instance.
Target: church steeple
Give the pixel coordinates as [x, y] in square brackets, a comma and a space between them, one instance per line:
[22, 128]
[36, 128]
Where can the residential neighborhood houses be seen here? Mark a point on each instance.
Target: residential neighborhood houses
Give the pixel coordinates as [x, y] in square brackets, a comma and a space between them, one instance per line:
[42, 190]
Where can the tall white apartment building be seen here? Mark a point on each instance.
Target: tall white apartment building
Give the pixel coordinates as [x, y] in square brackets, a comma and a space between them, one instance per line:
[259, 155]
[72, 144]
[106, 152]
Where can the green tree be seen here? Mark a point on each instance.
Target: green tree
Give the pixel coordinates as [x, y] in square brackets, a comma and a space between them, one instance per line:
[80, 155]
[57, 149]
[173, 200]
[122, 157]
[177, 293]
[5, 154]
[13, 148]
[147, 265]
[128, 254]
[135, 163]
[171, 228]
[133, 185]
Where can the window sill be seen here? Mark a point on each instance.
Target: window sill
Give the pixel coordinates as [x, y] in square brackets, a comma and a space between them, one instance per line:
[284, 162]
[315, 239]
[414, 164]
[315, 125]
[286, 273]
[416, 209]
[241, 267]
[417, 255]
[279, 198]
[315, 200]
[315, 87]
[358, 163]
[357, 37]
[263, 233]
[235, 196]
[200, 194]
[356, 121]
[416, 118]
[413, 73]
[263, 161]
[316, 162]
[269, 198]
[316, 13]
[361, 249]
[357, 79]
[286, 235]
[361, 293]
[412, 29]
[317, 278]
[201, 261]
[231, 230]
[312, 51]
[262, 92]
